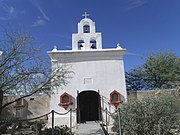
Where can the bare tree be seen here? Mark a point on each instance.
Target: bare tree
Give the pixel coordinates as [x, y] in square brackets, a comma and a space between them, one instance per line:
[23, 71]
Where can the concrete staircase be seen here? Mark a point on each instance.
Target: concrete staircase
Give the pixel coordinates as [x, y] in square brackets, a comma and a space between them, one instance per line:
[89, 128]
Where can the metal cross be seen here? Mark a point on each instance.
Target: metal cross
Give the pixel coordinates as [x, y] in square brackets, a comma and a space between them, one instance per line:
[85, 15]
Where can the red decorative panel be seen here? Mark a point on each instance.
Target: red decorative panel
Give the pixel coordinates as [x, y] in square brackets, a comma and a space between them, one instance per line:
[65, 100]
[115, 98]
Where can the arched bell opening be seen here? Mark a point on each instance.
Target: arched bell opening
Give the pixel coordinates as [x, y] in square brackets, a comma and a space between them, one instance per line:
[93, 44]
[86, 28]
[88, 106]
[81, 44]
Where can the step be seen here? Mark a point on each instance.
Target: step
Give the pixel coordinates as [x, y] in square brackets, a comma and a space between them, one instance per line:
[89, 128]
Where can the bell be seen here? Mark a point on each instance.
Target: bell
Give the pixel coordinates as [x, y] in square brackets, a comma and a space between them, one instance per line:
[81, 45]
[86, 30]
[93, 46]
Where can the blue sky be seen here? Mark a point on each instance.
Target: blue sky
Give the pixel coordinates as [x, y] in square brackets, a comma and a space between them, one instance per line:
[140, 26]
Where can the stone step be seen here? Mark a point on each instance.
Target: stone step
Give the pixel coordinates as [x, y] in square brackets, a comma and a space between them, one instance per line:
[89, 128]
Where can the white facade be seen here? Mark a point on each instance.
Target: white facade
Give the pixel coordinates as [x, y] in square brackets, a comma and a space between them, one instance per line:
[95, 70]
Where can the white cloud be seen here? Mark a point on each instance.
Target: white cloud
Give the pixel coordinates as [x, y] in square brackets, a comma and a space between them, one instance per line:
[8, 12]
[133, 54]
[35, 3]
[11, 10]
[43, 13]
[135, 3]
[39, 22]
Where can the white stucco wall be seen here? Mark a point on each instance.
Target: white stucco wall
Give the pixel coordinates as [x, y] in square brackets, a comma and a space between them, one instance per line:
[101, 70]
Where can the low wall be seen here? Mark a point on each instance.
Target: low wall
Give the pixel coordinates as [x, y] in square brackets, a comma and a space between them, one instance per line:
[132, 95]
[29, 107]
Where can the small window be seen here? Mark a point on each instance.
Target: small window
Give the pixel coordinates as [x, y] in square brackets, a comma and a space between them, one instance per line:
[86, 29]
[65, 99]
[93, 44]
[114, 97]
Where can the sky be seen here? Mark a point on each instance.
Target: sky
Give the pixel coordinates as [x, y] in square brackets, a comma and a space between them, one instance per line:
[140, 26]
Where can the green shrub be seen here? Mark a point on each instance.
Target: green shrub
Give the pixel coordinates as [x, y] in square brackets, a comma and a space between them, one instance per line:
[153, 115]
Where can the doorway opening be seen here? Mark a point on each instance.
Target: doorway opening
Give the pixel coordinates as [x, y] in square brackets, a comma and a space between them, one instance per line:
[88, 106]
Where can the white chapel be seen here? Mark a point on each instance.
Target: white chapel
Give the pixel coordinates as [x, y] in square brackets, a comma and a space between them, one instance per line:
[98, 82]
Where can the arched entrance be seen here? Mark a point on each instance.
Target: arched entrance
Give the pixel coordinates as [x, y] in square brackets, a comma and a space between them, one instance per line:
[88, 106]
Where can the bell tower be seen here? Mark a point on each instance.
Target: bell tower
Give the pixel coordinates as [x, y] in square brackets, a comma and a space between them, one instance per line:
[98, 82]
[87, 38]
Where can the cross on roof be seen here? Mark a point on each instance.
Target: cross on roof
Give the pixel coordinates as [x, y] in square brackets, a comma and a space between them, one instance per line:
[85, 15]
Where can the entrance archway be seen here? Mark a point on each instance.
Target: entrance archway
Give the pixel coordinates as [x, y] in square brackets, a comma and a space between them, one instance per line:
[88, 106]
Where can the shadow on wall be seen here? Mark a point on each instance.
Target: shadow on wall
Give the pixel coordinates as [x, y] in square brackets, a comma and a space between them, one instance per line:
[30, 107]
